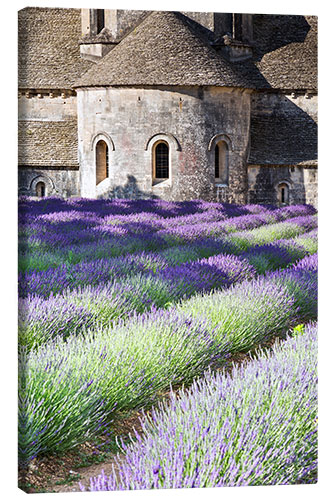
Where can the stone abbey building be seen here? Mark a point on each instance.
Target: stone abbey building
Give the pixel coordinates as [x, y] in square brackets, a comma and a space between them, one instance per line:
[174, 105]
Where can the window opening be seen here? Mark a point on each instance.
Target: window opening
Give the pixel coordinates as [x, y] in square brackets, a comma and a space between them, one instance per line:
[283, 193]
[217, 161]
[237, 27]
[221, 162]
[40, 189]
[102, 161]
[100, 20]
[162, 161]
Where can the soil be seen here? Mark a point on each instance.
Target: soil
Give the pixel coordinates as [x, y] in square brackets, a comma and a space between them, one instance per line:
[64, 473]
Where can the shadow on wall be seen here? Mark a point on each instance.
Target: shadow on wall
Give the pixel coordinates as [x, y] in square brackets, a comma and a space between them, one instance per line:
[129, 191]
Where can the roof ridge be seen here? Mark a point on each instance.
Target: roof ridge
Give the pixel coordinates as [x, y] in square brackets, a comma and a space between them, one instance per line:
[165, 48]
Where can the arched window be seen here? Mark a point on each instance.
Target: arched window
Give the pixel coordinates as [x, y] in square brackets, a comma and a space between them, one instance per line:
[102, 161]
[221, 163]
[161, 161]
[283, 193]
[40, 189]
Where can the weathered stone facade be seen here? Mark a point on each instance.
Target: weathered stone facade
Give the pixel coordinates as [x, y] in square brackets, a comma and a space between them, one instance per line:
[58, 182]
[131, 120]
[131, 80]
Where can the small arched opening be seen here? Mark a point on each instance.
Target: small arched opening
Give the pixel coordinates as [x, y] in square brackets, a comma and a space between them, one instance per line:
[40, 189]
[161, 161]
[221, 163]
[102, 161]
[283, 193]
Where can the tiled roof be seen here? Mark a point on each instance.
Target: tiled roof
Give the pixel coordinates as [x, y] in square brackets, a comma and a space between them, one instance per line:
[286, 136]
[48, 52]
[167, 48]
[285, 50]
[47, 143]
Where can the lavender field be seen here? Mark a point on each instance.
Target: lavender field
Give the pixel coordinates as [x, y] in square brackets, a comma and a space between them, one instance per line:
[128, 306]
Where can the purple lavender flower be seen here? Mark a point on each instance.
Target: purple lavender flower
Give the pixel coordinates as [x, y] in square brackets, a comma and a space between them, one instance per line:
[254, 427]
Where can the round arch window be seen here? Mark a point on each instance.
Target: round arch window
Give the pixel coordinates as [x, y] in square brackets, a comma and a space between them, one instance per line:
[40, 189]
[161, 161]
[221, 162]
[102, 161]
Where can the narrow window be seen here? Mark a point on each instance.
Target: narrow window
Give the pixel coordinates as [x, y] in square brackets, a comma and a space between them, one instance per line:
[161, 162]
[237, 27]
[102, 161]
[97, 21]
[217, 162]
[40, 189]
[283, 193]
[100, 20]
[221, 163]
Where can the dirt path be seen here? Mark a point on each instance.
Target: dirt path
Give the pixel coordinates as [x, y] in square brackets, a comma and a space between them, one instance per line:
[85, 474]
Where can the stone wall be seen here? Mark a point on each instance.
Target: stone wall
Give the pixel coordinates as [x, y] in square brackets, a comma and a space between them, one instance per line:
[58, 182]
[47, 106]
[264, 181]
[130, 120]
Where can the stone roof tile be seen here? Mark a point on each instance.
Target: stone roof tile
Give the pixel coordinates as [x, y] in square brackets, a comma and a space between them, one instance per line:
[48, 48]
[285, 50]
[167, 48]
[47, 143]
[283, 138]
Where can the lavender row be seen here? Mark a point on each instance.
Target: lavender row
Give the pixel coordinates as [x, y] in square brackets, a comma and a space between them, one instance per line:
[35, 259]
[69, 390]
[256, 426]
[120, 297]
[40, 320]
[74, 229]
[29, 207]
[70, 275]
[291, 228]
[244, 313]
[190, 231]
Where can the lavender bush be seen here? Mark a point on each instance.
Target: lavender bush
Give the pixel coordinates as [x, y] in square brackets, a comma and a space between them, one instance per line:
[104, 304]
[67, 389]
[100, 330]
[247, 313]
[128, 364]
[256, 426]
[268, 233]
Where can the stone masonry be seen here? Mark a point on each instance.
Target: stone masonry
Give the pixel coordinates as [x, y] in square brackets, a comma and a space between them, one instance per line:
[134, 79]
